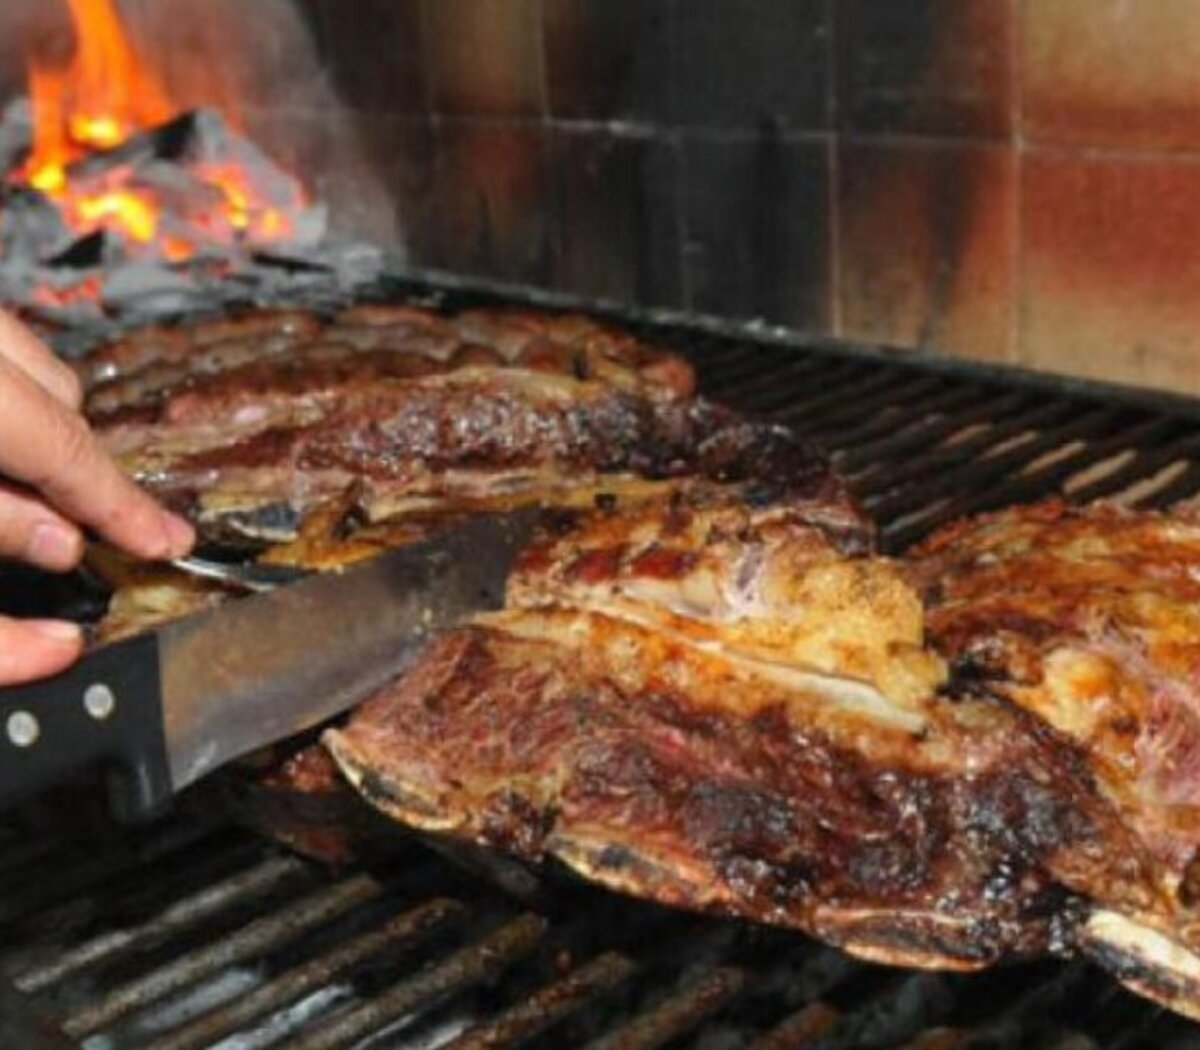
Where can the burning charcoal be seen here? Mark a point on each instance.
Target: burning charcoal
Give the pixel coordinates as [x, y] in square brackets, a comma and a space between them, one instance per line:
[16, 133]
[183, 194]
[31, 226]
[59, 296]
[255, 185]
[84, 253]
[167, 142]
[150, 288]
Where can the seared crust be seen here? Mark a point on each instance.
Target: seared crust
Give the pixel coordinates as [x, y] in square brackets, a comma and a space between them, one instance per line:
[473, 437]
[250, 423]
[1088, 619]
[692, 779]
[704, 700]
[673, 707]
[148, 367]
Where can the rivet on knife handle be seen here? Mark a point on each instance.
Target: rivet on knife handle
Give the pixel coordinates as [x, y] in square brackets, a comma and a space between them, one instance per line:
[105, 712]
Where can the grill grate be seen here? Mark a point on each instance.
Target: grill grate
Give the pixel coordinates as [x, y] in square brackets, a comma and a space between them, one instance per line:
[190, 935]
[279, 952]
[922, 449]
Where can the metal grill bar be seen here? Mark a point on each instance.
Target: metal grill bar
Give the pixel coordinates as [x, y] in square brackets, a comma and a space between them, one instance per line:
[868, 452]
[285, 924]
[401, 931]
[477, 963]
[976, 475]
[180, 916]
[682, 1012]
[762, 389]
[872, 393]
[1034, 480]
[936, 409]
[62, 881]
[920, 396]
[549, 1005]
[1183, 487]
[805, 1026]
[933, 446]
[1141, 465]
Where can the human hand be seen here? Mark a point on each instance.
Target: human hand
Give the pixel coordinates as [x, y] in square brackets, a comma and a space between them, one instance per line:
[55, 479]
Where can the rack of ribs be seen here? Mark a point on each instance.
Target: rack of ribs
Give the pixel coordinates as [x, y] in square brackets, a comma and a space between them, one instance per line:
[706, 688]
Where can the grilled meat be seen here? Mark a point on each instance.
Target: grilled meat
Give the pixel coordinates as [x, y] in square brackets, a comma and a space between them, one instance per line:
[705, 688]
[469, 438]
[709, 702]
[1088, 620]
[714, 704]
[385, 426]
[259, 421]
[147, 370]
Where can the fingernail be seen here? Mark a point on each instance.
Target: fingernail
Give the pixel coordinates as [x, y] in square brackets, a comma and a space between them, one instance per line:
[53, 546]
[180, 535]
[56, 630]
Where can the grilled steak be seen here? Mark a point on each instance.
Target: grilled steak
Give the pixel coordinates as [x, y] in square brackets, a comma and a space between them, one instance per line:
[257, 422]
[384, 426]
[1088, 620]
[712, 703]
[705, 688]
[708, 702]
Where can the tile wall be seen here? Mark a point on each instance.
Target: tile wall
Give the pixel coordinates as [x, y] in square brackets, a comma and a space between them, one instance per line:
[1008, 180]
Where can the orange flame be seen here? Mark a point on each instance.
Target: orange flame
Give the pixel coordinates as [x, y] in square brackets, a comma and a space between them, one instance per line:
[98, 98]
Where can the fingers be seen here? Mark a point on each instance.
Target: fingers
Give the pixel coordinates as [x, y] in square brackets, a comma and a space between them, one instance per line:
[31, 649]
[20, 346]
[51, 449]
[33, 532]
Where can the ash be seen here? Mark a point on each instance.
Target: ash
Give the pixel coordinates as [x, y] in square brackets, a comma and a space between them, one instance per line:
[230, 227]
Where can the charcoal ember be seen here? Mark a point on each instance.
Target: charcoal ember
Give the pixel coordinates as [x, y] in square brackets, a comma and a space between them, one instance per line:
[215, 148]
[241, 223]
[165, 142]
[31, 227]
[16, 133]
[186, 198]
[144, 287]
[84, 253]
[59, 296]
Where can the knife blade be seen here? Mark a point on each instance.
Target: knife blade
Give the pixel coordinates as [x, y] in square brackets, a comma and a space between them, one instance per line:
[166, 708]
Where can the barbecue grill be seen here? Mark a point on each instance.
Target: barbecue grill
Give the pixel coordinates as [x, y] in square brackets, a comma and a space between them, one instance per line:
[194, 933]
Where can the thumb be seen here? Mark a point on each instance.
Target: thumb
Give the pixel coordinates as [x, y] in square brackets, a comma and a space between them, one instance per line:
[32, 649]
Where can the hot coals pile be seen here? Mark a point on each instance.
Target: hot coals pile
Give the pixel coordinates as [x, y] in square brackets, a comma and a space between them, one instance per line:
[114, 201]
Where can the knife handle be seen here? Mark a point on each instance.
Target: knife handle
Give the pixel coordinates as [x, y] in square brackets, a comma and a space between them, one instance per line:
[105, 711]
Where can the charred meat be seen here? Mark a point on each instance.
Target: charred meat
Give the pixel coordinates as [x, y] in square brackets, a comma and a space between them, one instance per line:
[706, 688]
[252, 424]
[1087, 621]
[716, 705]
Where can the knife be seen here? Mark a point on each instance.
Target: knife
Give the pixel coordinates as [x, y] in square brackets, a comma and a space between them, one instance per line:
[165, 708]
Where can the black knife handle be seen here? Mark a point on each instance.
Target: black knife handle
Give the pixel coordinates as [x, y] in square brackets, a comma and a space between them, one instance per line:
[105, 711]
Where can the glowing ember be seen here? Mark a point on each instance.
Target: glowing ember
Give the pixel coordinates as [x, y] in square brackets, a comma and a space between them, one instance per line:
[104, 94]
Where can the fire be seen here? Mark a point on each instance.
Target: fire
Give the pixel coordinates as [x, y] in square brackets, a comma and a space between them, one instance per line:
[97, 99]
[103, 94]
